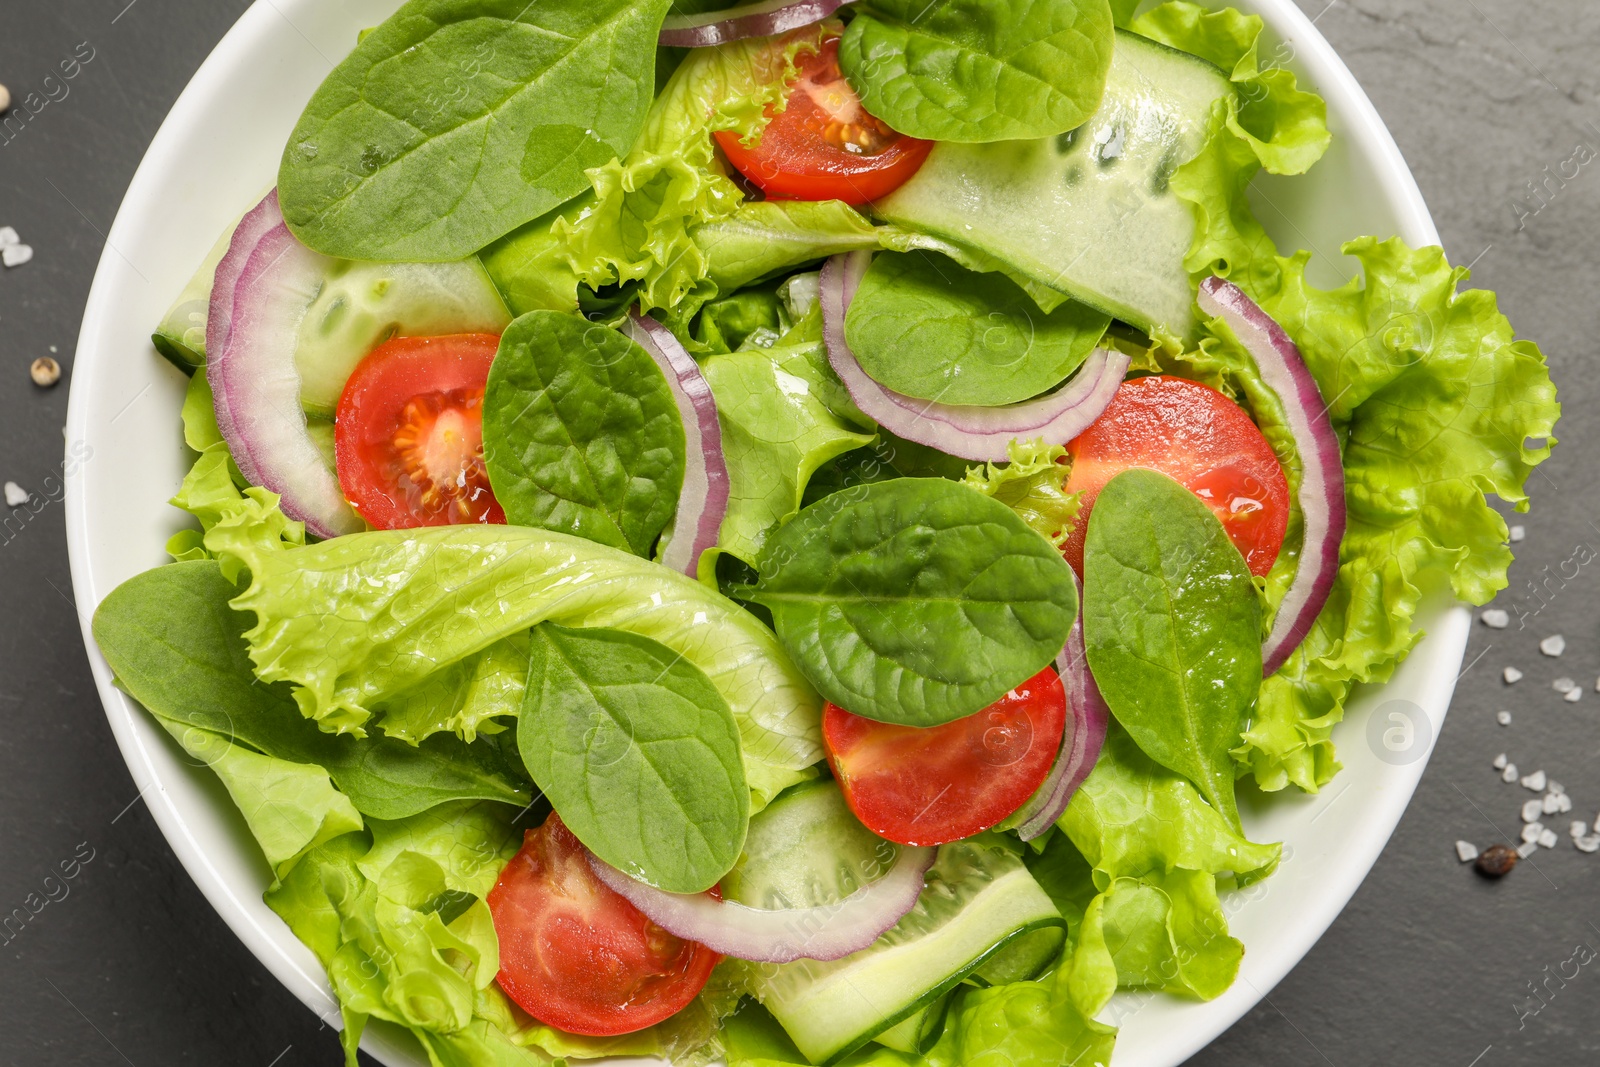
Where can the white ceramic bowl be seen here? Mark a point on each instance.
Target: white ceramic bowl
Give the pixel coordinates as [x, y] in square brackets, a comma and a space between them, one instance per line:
[212, 158]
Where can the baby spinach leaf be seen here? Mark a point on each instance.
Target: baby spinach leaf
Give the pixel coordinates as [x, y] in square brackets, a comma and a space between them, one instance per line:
[915, 601]
[1172, 624]
[456, 121]
[638, 753]
[175, 646]
[925, 326]
[977, 70]
[581, 433]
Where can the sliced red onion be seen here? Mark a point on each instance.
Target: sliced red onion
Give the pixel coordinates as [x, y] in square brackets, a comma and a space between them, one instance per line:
[828, 932]
[1321, 494]
[219, 316]
[704, 501]
[761, 19]
[968, 432]
[1087, 717]
[252, 371]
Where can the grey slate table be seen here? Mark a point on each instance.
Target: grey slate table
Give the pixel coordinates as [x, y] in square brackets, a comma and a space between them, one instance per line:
[1428, 964]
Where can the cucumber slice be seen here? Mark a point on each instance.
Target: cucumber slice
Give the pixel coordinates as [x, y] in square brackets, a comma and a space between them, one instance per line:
[978, 898]
[181, 336]
[1023, 958]
[917, 1033]
[1088, 213]
[806, 849]
[361, 305]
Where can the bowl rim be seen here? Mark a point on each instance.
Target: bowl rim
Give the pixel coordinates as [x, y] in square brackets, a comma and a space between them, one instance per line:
[271, 942]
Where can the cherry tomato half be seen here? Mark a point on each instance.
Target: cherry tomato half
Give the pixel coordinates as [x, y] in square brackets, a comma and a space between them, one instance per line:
[930, 785]
[577, 956]
[1199, 438]
[824, 145]
[408, 434]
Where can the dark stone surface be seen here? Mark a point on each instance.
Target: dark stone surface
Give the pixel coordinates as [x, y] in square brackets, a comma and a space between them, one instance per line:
[1428, 965]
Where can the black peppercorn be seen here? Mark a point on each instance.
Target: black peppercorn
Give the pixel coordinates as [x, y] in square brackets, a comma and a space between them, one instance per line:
[1496, 861]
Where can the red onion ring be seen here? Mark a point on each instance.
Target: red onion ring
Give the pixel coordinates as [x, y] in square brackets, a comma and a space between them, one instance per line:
[763, 19]
[1321, 493]
[252, 373]
[968, 432]
[1087, 719]
[703, 504]
[828, 932]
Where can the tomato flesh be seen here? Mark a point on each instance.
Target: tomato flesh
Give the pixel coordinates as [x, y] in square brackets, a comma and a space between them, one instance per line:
[1199, 438]
[408, 434]
[824, 145]
[931, 785]
[576, 955]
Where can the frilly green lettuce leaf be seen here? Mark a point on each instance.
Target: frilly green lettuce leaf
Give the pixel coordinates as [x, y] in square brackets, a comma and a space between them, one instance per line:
[1437, 404]
[1155, 849]
[357, 620]
[1033, 484]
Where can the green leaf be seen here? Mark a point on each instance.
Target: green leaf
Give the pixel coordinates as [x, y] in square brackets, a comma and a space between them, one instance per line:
[776, 430]
[453, 123]
[355, 620]
[923, 325]
[1172, 625]
[915, 601]
[1151, 912]
[174, 644]
[975, 70]
[1033, 484]
[766, 237]
[638, 753]
[464, 698]
[581, 433]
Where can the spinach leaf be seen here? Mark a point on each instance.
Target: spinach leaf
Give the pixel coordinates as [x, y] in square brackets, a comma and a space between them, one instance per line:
[1172, 624]
[925, 326]
[456, 121]
[915, 601]
[581, 433]
[978, 70]
[175, 646]
[639, 754]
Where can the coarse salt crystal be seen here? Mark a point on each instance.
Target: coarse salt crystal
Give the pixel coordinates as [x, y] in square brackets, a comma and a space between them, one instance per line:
[1518, 532]
[1572, 696]
[1503, 718]
[1549, 805]
[1563, 685]
[1500, 762]
[1513, 676]
[1553, 645]
[1532, 831]
[1532, 810]
[16, 496]
[1588, 844]
[1467, 851]
[1534, 781]
[1549, 838]
[9, 237]
[16, 255]
[1563, 803]
[1555, 786]
[1577, 828]
[1496, 618]
[1527, 848]
[1510, 773]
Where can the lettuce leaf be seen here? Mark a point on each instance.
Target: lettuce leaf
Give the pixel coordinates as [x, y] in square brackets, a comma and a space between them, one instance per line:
[1033, 484]
[357, 620]
[1155, 850]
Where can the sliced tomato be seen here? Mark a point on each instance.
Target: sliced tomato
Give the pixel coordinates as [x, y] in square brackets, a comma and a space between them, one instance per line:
[1199, 438]
[824, 145]
[577, 956]
[408, 434]
[930, 785]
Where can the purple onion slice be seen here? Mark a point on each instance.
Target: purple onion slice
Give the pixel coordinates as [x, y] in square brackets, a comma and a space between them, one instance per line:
[1321, 494]
[967, 432]
[703, 504]
[252, 372]
[827, 932]
[763, 19]
[1087, 719]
